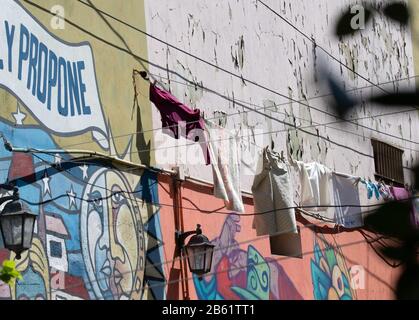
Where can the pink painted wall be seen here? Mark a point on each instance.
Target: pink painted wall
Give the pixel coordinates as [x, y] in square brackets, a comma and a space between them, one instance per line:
[327, 276]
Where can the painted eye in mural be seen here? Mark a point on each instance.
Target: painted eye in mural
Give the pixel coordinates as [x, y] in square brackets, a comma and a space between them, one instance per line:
[337, 281]
[118, 197]
[95, 201]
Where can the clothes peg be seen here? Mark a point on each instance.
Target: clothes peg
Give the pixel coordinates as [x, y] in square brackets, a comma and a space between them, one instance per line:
[144, 75]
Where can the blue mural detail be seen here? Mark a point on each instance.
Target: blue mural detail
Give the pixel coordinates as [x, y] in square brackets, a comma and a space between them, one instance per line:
[97, 249]
[330, 275]
[239, 274]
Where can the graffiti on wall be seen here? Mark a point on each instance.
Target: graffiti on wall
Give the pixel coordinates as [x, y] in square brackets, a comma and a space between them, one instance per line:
[330, 274]
[239, 274]
[54, 79]
[92, 241]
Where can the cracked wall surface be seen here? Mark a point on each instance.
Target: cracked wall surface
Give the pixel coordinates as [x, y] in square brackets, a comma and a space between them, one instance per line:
[244, 38]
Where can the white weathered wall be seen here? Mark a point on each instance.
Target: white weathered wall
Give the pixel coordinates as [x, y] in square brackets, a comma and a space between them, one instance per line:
[245, 38]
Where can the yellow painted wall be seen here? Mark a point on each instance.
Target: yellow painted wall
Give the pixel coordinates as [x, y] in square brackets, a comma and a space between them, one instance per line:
[111, 42]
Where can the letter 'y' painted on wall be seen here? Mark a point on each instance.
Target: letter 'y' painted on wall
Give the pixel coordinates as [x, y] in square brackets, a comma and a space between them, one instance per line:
[55, 80]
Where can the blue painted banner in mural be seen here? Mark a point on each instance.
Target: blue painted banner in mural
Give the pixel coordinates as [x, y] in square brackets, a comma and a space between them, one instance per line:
[55, 80]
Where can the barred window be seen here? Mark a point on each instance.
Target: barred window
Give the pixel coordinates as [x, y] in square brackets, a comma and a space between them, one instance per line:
[388, 163]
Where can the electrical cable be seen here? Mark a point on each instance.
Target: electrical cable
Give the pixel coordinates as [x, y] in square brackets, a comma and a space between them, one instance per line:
[315, 124]
[258, 134]
[165, 283]
[26, 1]
[244, 79]
[257, 109]
[112, 193]
[259, 238]
[200, 59]
[312, 40]
[370, 243]
[93, 35]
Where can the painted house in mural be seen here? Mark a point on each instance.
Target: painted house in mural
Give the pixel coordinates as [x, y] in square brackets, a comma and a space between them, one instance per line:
[106, 212]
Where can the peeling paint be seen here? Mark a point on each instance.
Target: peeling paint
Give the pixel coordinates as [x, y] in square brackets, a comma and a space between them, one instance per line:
[237, 54]
[250, 41]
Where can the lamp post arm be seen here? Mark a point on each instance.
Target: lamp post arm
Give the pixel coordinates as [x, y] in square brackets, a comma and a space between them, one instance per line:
[8, 198]
[180, 237]
[9, 187]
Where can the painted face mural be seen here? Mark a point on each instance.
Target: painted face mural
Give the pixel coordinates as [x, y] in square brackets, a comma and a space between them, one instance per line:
[243, 274]
[330, 275]
[112, 238]
[84, 250]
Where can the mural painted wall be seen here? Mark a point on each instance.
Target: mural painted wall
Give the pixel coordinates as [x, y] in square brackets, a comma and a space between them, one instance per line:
[243, 274]
[69, 85]
[333, 265]
[91, 241]
[73, 88]
[329, 272]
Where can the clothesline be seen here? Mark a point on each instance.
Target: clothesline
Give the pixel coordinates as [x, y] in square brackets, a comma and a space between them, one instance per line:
[332, 195]
[143, 74]
[221, 151]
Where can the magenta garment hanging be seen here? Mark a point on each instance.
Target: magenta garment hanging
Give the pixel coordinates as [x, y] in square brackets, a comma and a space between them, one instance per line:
[400, 193]
[173, 112]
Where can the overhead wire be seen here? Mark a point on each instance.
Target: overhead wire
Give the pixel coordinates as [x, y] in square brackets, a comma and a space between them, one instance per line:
[235, 244]
[200, 59]
[178, 145]
[313, 215]
[371, 242]
[28, 1]
[328, 139]
[315, 124]
[312, 40]
[241, 77]
[226, 115]
[195, 209]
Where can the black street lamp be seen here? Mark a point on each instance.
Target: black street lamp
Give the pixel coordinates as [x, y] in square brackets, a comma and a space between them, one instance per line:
[17, 223]
[199, 251]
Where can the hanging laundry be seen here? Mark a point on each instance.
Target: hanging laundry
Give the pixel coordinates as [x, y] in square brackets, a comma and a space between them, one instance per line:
[345, 192]
[225, 159]
[385, 192]
[316, 188]
[174, 115]
[372, 189]
[272, 191]
[399, 193]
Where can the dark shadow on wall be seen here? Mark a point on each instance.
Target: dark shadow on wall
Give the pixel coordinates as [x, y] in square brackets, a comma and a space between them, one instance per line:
[154, 274]
[173, 283]
[143, 147]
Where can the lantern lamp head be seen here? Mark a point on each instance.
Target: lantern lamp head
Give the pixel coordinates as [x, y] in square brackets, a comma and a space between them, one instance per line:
[17, 224]
[199, 251]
